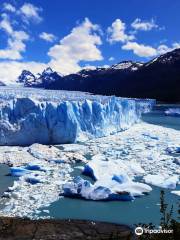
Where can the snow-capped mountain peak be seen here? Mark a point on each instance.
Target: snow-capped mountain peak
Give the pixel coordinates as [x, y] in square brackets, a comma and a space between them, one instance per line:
[47, 71]
[26, 77]
[127, 65]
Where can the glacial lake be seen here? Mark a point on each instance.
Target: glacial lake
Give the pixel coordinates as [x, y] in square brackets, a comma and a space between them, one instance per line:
[145, 209]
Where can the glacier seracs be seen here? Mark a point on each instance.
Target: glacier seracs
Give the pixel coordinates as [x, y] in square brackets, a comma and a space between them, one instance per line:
[52, 117]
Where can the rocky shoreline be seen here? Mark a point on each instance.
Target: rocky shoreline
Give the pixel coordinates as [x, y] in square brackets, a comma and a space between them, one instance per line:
[25, 229]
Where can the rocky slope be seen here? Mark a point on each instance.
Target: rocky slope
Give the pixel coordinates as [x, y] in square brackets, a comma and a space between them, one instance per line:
[11, 229]
[159, 79]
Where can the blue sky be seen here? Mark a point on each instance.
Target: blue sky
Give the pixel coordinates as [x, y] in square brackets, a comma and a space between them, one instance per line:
[68, 35]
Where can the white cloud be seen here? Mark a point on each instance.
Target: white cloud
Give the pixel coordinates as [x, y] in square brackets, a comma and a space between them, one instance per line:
[5, 24]
[176, 45]
[117, 32]
[49, 37]
[140, 49]
[163, 49]
[111, 59]
[15, 45]
[80, 45]
[30, 12]
[138, 24]
[10, 70]
[9, 7]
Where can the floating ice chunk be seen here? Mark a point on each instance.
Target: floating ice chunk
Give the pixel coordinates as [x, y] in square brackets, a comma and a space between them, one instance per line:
[150, 136]
[173, 149]
[58, 161]
[35, 166]
[120, 178]
[177, 161]
[33, 180]
[135, 168]
[125, 185]
[98, 168]
[162, 181]
[79, 167]
[175, 112]
[84, 189]
[19, 171]
[117, 188]
[176, 192]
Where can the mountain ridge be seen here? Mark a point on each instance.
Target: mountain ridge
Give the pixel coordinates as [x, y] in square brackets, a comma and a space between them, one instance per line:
[159, 78]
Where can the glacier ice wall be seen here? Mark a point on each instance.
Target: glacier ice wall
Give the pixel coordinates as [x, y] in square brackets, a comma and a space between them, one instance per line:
[51, 117]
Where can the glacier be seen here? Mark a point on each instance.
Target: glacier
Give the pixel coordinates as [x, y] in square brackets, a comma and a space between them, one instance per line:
[30, 116]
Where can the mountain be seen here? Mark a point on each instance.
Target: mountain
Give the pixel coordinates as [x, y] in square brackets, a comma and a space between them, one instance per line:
[43, 80]
[27, 78]
[158, 78]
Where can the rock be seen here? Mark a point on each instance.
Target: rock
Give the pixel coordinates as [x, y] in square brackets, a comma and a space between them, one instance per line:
[11, 229]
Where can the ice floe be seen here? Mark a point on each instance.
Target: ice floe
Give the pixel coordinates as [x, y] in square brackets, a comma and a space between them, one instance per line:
[175, 112]
[163, 181]
[176, 193]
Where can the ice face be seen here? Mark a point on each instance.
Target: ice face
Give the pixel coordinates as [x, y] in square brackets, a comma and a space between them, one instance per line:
[53, 117]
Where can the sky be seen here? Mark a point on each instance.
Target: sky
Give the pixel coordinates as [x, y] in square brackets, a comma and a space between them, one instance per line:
[70, 35]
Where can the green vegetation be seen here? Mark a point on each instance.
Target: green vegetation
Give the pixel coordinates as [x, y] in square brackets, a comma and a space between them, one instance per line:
[167, 223]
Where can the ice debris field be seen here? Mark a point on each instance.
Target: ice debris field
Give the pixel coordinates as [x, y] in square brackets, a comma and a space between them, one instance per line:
[122, 166]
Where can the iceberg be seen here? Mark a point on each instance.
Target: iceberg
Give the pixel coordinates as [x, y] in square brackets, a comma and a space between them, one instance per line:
[18, 171]
[100, 167]
[176, 193]
[81, 188]
[175, 112]
[173, 149]
[52, 117]
[109, 190]
[163, 181]
[114, 180]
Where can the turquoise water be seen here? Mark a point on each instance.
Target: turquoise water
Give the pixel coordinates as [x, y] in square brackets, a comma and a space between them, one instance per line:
[143, 210]
[158, 117]
[5, 180]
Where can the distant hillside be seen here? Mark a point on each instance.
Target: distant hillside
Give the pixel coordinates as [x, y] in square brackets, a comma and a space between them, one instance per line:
[158, 78]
